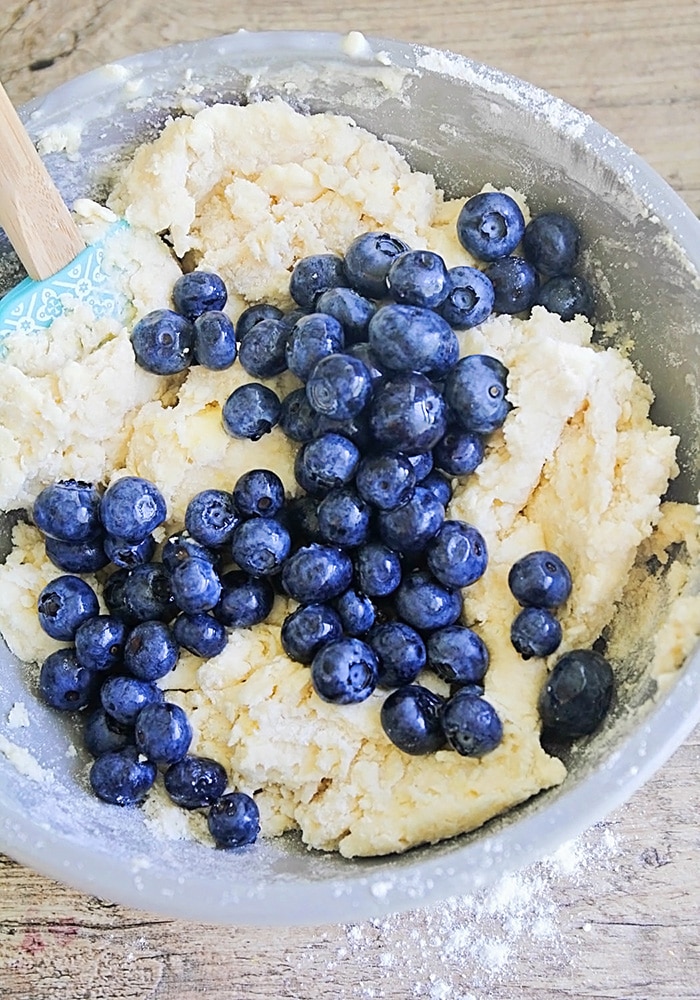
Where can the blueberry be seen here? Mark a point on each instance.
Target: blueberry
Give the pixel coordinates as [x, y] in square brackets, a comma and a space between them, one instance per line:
[475, 390]
[77, 557]
[385, 480]
[438, 486]
[201, 634]
[251, 411]
[352, 310]
[127, 554]
[132, 508]
[418, 278]
[378, 569]
[262, 350]
[163, 342]
[490, 225]
[514, 283]
[343, 518]
[368, 358]
[99, 642]
[302, 520]
[458, 557]
[457, 655]
[65, 684]
[540, 579]
[122, 778]
[459, 452]
[260, 546]
[313, 337]
[551, 243]
[568, 296]
[355, 429]
[162, 733]
[245, 600]
[297, 416]
[408, 338]
[64, 604]
[409, 528]
[535, 632]
[422, 464]
[194, 782]
[328, 461]
[151, 651]
[470, 298]
[234, 820]
[339, 386]
[425, 604]
[356, 611]
[259, 493]
[408, 414]
[368, 259]
[214, 341]
[308, 628]
[211, 518]
[145, 594]
[114, 596]
[471, 724]
[195, 586]
[198, 292]
[577, 695]
[68, 510]
[180, 547]
[124, 697]
[102, 734]
[344, 671]
[400, 653]
[314, 275]
[253, 314]
[316, 573]
[410, 717]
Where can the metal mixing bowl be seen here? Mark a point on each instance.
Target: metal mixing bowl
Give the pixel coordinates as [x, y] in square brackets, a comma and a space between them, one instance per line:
[467, 124]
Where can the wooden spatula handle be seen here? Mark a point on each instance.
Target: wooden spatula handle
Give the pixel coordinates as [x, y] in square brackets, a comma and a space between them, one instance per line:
[32, 212]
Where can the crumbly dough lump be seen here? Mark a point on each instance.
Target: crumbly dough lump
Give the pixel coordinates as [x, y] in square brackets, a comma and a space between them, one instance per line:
[577, 468]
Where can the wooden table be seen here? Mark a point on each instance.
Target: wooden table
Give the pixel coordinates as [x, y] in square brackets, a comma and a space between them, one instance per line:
[617, 916]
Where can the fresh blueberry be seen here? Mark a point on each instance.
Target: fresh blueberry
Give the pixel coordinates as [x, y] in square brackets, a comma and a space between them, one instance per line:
[418, 278]
[343, 518]
[458, 556]
[577, 694]
[490, 225]
[259, 493]
[471, 687]
[567, 295]
[64, 604]
[194, 782]
[145, 594]
[124, 697]
[422, 464]
[162, 733]
[540, 579]
[103, 734]
[245, 600]
[400, 653]
[355, 429]
[99, 642]
[368, 259]
[410, 717]
[423, 602]
[385, 480]
[514, 283]
[198, 292]
[352, 310]
[211, 518]
[68, 510]
[409, 528]
[316, 573]
[251, 411]
[339, 386]
[313, 337]
[260, 546]
[302, 520]
[344, 671]
[65, 684]
[151, 651]
[200, 634]
[262, 350]
[438, 486]
[535, 632]
[195, 586]
[253, 314]
[328, 461]
[214, 341]
[459, 452]
[77, 557]
[297, 416]
[457, 655]
[114, 596]
[407, 338]
[127, 554]
[408, 414]
[122, 777]
[475, 390]
[378, 569]
[368, 358]
[234, 820]
[471, 724]
[308, 628]
[551, 243]
[314, 275]
[180, 547]
[470, 298]
[356, 611]
[132, 508]
[163, 342]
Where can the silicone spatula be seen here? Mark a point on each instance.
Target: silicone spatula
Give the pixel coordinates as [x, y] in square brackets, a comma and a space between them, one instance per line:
[60, 266]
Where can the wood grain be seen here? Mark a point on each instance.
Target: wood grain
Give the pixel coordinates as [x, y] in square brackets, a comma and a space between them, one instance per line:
[624, 925]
